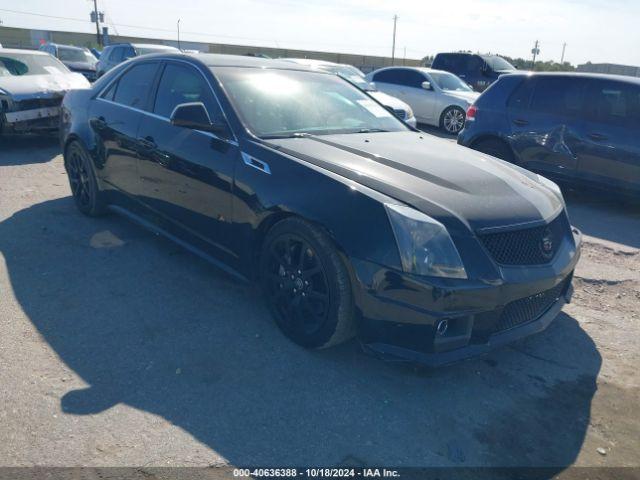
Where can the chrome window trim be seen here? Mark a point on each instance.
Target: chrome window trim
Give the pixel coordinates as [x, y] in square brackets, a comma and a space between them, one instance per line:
[232, 141]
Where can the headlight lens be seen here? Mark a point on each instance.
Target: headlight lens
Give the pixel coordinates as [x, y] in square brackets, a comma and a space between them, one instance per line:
[424, 244]
[409, 112]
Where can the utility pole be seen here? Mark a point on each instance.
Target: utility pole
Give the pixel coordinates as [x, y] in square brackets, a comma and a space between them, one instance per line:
[536, 51]
[564, 46]
[179, 48]
[97, 20]
[393, 48]
[404, 58]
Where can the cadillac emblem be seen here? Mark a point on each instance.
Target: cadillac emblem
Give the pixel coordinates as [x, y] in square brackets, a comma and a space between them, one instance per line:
[546, 244]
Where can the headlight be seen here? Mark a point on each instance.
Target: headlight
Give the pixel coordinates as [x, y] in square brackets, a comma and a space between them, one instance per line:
[409, 113]
[424, 244]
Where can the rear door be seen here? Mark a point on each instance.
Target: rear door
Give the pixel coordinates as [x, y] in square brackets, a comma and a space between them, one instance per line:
[187, 175]
[115, 117]
[610, 153]
[546, 116]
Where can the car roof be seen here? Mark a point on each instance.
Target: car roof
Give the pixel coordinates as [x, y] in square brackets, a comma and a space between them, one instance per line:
[601, 76]
[220, 60]
[309, 61]
[18, 50]
[152, 45]
[419, 69]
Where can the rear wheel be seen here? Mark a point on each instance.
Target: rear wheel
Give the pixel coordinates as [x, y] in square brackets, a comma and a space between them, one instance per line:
[306, 285]
[496, 148]
[84, 187]
[452, 120]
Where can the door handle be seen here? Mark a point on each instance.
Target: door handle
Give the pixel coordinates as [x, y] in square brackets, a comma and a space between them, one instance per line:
[521, 122]
[147, 143]
[596, 136]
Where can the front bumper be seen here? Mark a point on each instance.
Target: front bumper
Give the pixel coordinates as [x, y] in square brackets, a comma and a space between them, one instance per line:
[399, 313]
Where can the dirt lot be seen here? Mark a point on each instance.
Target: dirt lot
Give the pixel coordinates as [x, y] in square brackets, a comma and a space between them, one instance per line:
[120, 348]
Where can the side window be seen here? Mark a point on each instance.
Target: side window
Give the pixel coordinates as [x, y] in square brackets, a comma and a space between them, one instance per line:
[116, 55]
[613, 102]
[411, 78]
[387, 76]
[521, 96]
[109, 94]
[183, 84]
[133, 86]
[128, 52]
[558, 95]
[474, 64]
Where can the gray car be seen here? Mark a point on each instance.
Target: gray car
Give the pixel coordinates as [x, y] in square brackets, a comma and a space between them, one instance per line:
[32, 86]
[113, 55]
[437, 97]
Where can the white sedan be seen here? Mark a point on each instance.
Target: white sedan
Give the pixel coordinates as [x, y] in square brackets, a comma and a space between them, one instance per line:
[355, 76]
[437, 97]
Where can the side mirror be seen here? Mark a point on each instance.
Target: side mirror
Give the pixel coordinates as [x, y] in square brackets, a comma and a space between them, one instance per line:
[426, 85]
[194, 116]
[372, 85]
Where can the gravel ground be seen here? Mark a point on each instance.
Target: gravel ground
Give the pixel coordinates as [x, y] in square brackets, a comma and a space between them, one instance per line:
[119, 348]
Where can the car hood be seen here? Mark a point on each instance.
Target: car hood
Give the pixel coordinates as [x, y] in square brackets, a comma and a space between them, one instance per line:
[469, 97]
[81, 66]
[29, 86]
[464, 189]
[388, 100]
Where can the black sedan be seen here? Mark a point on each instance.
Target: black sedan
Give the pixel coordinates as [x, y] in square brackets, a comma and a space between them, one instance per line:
[351, 221]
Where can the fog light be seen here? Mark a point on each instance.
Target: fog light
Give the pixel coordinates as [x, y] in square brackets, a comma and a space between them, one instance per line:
[441, 327]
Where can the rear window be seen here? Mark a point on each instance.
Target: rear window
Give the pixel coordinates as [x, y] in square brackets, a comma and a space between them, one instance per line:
[559, 96]
[24, 64]
[133, 87]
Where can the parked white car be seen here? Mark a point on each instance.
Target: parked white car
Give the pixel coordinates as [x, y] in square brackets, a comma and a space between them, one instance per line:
[437, 97]
[355, 76]
[32, 85]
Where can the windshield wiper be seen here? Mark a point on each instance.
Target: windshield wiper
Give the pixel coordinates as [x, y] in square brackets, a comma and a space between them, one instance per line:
[272, 136]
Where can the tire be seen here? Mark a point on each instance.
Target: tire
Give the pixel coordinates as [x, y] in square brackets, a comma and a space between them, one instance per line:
[82, 180]
[452, 119]
[306, 285]
[496, 148]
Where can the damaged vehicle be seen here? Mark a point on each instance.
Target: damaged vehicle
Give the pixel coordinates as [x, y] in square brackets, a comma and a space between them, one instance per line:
[351, 221]
[32, 86]
[576, 128]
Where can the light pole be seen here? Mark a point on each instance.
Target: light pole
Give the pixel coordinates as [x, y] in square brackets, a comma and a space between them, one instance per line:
[564, 46]
[97, 19]
[393, 48]
[179, 48]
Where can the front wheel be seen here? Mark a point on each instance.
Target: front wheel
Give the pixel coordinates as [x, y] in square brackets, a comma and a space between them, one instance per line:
[452, 120]
[84, 186]
[306, 285]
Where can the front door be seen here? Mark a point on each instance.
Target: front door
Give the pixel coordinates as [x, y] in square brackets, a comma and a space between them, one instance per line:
[610, 152]
[187, 175]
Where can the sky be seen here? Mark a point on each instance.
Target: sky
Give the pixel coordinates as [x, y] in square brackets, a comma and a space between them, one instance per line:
[595, 30]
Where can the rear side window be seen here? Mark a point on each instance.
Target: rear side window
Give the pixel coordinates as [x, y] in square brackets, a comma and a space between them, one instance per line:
[133, 86]
[183, 84]
[521, 96]
[387, 76]
[613, 102]
[450, 63]
[559, 96]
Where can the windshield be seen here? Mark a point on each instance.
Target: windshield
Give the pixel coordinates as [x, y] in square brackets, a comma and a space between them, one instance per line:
[498, 64]
[282, 103]
[20, 64]
[76, 55]
[152, 49]
[449, 82]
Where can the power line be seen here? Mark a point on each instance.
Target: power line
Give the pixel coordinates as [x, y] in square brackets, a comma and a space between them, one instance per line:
[204, 34]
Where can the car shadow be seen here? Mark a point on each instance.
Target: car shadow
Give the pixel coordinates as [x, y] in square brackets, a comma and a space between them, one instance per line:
[27, 149]
[605, 216]
[146, 324]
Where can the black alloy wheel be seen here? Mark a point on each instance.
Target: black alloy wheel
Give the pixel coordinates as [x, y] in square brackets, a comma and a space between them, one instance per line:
[306, 285]
[82, 181]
